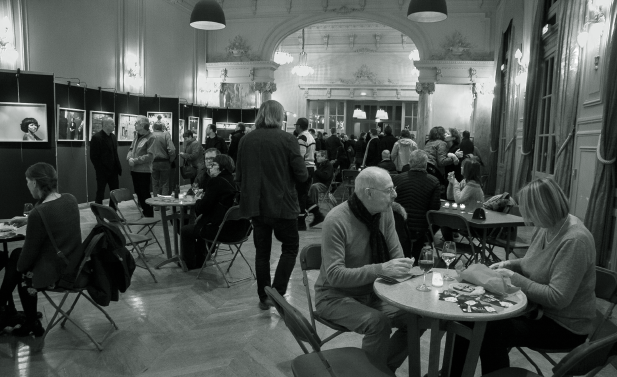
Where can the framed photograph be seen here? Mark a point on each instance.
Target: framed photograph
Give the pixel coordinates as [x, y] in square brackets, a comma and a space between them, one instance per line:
[126, 126]
[164, 118]
[194, 126]
[71, 124]
[96, 121]
[180, 130]
[204, 128]
[23, 122]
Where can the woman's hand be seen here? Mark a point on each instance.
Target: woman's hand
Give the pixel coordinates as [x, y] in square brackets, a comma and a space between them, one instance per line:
[19, 221]
[499, 265]
[505, 272]
[459, 153]
[451, 177]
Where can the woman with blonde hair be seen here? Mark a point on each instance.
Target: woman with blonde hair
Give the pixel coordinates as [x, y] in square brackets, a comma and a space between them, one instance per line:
[557, 275]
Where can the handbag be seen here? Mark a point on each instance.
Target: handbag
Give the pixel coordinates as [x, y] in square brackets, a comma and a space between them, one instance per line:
[188, 171]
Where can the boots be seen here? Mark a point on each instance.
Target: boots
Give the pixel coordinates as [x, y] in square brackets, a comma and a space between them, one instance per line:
[30, 327]
[317, 216]
[301, 222]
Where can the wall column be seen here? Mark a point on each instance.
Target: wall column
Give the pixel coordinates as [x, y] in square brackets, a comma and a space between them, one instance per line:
[425, 109]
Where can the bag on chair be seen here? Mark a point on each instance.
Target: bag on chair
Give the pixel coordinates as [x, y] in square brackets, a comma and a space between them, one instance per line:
[188, 171]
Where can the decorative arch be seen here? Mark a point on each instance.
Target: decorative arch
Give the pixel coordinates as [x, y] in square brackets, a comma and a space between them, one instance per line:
[291, 25]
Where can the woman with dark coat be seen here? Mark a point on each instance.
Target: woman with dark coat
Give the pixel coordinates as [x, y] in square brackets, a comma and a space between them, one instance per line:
[218, 197]
[453, 142]
[359, 149]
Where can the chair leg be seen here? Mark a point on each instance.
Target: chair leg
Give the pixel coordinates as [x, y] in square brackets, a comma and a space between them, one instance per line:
[538, 371]
[70, 309]
[156, 239]
[53, 321]
[141, 255]
[102, 310]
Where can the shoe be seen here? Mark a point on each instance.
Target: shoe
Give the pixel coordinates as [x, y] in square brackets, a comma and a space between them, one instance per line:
[266, 304]
[318, 218]
[35, 328]
[301, 223]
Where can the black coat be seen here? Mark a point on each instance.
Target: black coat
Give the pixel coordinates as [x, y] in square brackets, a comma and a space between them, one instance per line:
[373, 155]
[387, 142]
[104, 153]
[216, 142]
[235, 141]
[418, 192]
[332, 144]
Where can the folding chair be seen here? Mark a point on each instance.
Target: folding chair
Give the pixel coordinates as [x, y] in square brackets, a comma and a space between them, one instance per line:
[328, 196]
[124, 195]
[310, 259]
[499, 237]
[453, 221]
[606, 289]
[585, 360]
[349, 182]
[106, 214]
[232, 214]
[348, 361]
[81, 291]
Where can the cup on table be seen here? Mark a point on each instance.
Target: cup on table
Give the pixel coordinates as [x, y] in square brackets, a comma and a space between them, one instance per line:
[28, 207]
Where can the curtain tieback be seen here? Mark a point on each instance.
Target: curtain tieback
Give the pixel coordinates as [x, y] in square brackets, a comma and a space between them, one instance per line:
[605, 162]
[525, 154]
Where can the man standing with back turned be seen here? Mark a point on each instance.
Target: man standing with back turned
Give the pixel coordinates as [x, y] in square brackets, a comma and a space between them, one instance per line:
[140, 158]
[268, 167]
[104, 157]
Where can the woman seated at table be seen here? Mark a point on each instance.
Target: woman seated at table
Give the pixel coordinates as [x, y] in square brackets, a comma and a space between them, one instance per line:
[211, 209]
[557, 274]
[468, 191]
[36, 266]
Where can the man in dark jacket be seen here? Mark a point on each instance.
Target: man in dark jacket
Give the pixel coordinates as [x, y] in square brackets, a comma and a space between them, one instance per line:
[321, 180]
[269, 165]
[418, 192]
[466, 144]
[372, 152]
[215, 141]
[104, 157]
[386, 163]
[388, 141]
[235, 140]
[332, 144]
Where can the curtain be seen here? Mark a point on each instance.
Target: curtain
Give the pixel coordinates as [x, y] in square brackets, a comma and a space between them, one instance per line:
[495, 118]
[532, 98]
[571, 19]
[598, 218]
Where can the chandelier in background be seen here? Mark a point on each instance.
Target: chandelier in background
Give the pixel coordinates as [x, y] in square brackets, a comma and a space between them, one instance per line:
[381, 114]
[281, 57]
[359, 114]
[302, 69]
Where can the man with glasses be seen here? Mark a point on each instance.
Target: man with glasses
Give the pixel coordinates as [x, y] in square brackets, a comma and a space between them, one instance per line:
[359, 243]
[202, 174]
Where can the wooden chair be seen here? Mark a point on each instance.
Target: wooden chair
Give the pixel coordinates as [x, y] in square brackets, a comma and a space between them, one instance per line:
[349, 181]
[606, 289]
[232, 214]
[60, 315]
[123, 195]
[585, 360]
[106, 214]
[310, 260]
[453, 221]
[348, 361]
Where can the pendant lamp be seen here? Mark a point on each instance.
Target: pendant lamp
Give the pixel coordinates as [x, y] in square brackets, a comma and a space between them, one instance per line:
[207, 15]
[427, 10]
[302, 69]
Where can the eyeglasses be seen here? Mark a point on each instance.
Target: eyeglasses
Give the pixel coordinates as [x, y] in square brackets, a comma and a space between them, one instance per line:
[388, 191]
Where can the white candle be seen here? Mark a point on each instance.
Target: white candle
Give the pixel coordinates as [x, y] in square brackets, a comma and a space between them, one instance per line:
[454, 205]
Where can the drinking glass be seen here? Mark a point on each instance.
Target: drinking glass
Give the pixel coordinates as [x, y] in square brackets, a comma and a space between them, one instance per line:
[448, 255]
[426, 263]
[27, 208]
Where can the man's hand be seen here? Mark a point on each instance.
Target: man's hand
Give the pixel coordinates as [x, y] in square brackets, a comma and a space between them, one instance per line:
[131, 162]
[397, 267]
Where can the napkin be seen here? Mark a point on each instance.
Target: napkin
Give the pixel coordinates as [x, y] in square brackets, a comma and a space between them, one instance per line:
[491, 280]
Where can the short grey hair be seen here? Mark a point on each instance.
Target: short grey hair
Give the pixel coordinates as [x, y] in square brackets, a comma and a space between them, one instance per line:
[418, 159]
[385, 155]
[145, 123]
[107, 120]
[368, 178]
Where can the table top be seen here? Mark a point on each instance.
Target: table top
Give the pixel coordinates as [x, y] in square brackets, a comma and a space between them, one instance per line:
[9, 236]
[493, 219]
[405, 296]
[166, 202]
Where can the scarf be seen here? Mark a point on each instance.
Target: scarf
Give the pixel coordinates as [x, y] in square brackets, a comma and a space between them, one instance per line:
[377, 242]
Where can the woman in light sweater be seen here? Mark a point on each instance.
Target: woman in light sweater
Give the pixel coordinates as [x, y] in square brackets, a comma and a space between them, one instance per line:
[468, 191]
[557, 274]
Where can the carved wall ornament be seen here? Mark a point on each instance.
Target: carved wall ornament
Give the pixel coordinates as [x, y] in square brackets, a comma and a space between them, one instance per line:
[252, 74]
[472, 74]
[438, 74]
[403, 40]
[425, 87]
[326, 39]
[329, 92]
[352, 40]
[306, 93]
[265, 87]
[364, 50]
[457, 47]
[351, 92]
[223, 74]
[288, 6]
[344, 8]
[398, 94]
[363, 74]
[237, 50]
[374, 92]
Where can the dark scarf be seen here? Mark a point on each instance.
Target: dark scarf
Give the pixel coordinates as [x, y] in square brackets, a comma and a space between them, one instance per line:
[377, 242]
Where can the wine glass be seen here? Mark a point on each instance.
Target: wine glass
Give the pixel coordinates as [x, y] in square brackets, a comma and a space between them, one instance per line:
[448, 255]
[28, 207]
[426, 263]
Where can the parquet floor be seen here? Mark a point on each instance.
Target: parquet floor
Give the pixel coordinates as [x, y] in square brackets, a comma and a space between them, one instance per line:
[181, 326]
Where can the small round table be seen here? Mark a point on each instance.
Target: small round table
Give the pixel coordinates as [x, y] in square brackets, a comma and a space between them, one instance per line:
[428, 312]
[6, 237]
[184, 203]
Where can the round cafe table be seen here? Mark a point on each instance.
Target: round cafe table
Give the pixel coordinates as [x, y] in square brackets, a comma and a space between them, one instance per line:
[183, 204]
[6, 237]
[428, 312]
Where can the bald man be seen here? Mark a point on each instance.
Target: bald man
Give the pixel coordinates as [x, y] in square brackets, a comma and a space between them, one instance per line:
[140, 158]
[359, 243]
[104, 157]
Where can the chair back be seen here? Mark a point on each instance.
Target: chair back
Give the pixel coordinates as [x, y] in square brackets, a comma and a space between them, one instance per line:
[606, 289]
[588, 357]
[123, 195]
[233, 214]
[310, 259]
[349, 176]
[450, 220]
[295, 321]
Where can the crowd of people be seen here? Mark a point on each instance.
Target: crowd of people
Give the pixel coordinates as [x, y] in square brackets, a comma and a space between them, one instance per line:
[278, 178]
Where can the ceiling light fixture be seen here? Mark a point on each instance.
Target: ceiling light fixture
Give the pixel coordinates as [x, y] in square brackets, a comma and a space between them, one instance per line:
[207, 15]
[302, 69]
[362, 93]
[281, 57]
[381, 114]
[427, 10]
[359, 114]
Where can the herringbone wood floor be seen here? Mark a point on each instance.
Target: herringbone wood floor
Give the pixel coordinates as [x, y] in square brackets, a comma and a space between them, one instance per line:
[181, 326]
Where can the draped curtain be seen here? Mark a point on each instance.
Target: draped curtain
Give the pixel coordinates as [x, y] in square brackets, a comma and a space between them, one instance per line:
[532, 98]
[571, 19]
[495, 121]
[598, 218]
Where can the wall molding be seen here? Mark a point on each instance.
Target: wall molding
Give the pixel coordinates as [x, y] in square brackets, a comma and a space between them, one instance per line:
[590, 120]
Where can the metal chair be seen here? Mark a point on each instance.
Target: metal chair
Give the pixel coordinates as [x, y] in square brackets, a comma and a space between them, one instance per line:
[105, 214]
[585, 360]
[349, 181]
[328, 196]
[348, 361]
[453, 221]
[310, 260]
[606, 289]
[80, 290]
[123, 195]
[232, 214]
[499, 237]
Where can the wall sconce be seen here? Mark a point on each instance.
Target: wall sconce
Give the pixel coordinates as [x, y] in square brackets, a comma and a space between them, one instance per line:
[133, 70]
[523, 65]
[377, 40]
[595, 19]
[8, 54]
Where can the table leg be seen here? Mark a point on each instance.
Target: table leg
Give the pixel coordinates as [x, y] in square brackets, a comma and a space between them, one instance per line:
[447, 355]
[171, 257]
[484, 257]
[166, 231]
[413, 344]
[179, 252]
[473, 353]
[435, 346]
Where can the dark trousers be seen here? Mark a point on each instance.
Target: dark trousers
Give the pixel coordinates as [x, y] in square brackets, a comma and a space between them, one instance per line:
[12, 280]
[304, 200]
[286, 231]
[103, 179]
[500, 336]
[141, 185]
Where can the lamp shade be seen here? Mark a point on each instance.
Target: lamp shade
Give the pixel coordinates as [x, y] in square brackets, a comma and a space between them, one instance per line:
[207, 15]
[427, 10]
